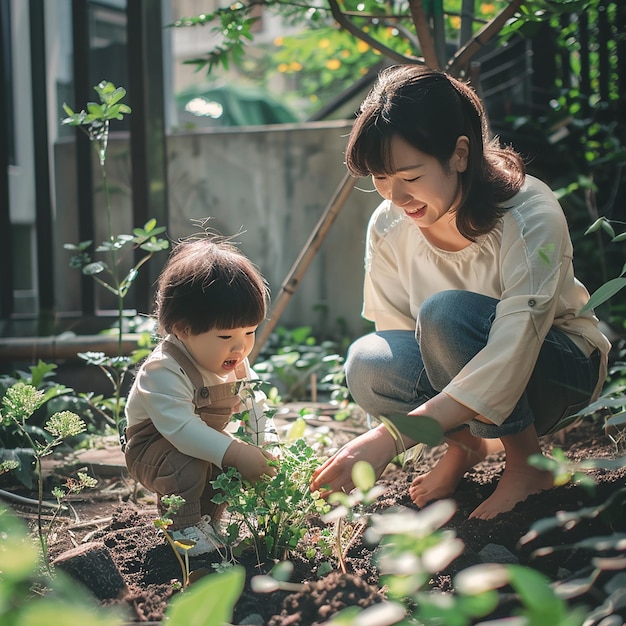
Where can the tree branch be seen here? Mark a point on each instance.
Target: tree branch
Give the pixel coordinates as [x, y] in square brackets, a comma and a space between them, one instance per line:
[424, 34]
[462, 57]
[345, 23]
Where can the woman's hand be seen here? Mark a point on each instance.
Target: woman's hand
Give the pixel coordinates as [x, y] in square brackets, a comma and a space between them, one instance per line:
[377, 447]
[251, 462]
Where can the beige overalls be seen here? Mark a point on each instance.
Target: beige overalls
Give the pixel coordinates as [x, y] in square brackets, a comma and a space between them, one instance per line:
[159, 466]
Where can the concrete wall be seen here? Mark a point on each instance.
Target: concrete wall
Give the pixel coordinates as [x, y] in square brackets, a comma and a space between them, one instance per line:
[268, 187]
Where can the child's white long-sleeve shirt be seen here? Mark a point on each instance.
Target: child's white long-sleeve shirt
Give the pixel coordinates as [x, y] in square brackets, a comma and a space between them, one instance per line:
[163, 393]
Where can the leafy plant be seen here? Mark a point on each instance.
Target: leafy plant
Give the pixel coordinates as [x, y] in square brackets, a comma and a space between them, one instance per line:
[613, 286]
[299, 366]
[351, 507]
[108, 271]
[415, 545]
[172, 504]
[208, 602]
[18, 405]
[15, 444]
[271, 515]
[606, 558]
[58, 595]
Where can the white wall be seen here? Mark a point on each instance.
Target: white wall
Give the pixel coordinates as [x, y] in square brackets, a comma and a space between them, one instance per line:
[269, 184]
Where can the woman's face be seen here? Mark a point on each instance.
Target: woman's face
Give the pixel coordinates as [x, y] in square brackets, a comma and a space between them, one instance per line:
[420, 185]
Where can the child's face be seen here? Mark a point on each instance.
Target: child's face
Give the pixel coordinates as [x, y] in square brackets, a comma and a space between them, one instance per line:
[219, 351]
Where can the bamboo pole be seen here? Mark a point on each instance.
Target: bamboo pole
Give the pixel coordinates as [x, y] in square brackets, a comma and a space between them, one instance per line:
[292, 281]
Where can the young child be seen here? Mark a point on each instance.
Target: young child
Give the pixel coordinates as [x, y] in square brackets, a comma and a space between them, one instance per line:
[209, 303]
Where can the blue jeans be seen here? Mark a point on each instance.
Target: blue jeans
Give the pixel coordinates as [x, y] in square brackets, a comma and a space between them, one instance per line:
[395, 371]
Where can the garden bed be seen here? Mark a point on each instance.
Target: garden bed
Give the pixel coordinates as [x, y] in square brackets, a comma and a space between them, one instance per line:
[147, 566]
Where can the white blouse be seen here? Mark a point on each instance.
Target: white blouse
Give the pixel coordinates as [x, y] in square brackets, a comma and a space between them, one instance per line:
[525, 263]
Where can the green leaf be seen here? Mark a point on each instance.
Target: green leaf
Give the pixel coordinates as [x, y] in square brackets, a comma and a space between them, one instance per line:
[604, 293]
[115, 96]
[94, 268]
[149, 230]
[18, 556]
[208, 602]
[67, 613]
[595, 226]
[282, 571]
[95, 110]
[421, 429]
[480, 604]
[297, 430]
[363, 475]
[533, 587]
[606, 226]
[155, 245]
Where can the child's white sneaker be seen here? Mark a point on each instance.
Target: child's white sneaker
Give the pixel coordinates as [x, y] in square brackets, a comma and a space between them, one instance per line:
[211, 529]
[194, 536]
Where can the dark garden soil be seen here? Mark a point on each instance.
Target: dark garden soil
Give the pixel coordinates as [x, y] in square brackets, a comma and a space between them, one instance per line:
[144, 567]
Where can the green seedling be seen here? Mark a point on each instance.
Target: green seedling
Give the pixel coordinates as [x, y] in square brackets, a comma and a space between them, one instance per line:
[270, 516]
[351, 508]
[18, 405]
[72, 486]
[172, 504]
[109, 272]
[209, 602]
[413, 547]
[566, 471]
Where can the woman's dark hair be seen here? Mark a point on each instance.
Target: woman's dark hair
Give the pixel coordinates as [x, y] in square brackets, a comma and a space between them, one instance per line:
[207, 283]
[430, 110]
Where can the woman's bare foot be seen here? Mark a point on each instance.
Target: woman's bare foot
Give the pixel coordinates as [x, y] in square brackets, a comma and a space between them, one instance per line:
[515, 485]
[464, 451]
[519, 479]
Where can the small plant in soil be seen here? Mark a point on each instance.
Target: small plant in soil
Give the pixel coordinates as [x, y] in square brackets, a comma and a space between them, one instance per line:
[300, 367]
[350, 513]
[172, 504]
[18, 405]
[29, 597]
[110, 270]
[271, 516]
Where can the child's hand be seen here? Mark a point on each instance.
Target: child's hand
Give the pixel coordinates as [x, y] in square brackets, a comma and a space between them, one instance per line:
[250, 461]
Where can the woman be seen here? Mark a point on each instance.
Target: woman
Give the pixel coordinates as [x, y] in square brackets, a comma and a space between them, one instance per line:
[470, 284]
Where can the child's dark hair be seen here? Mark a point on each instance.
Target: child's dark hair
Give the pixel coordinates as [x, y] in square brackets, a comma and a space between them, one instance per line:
[206, 284]
[430, 110]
